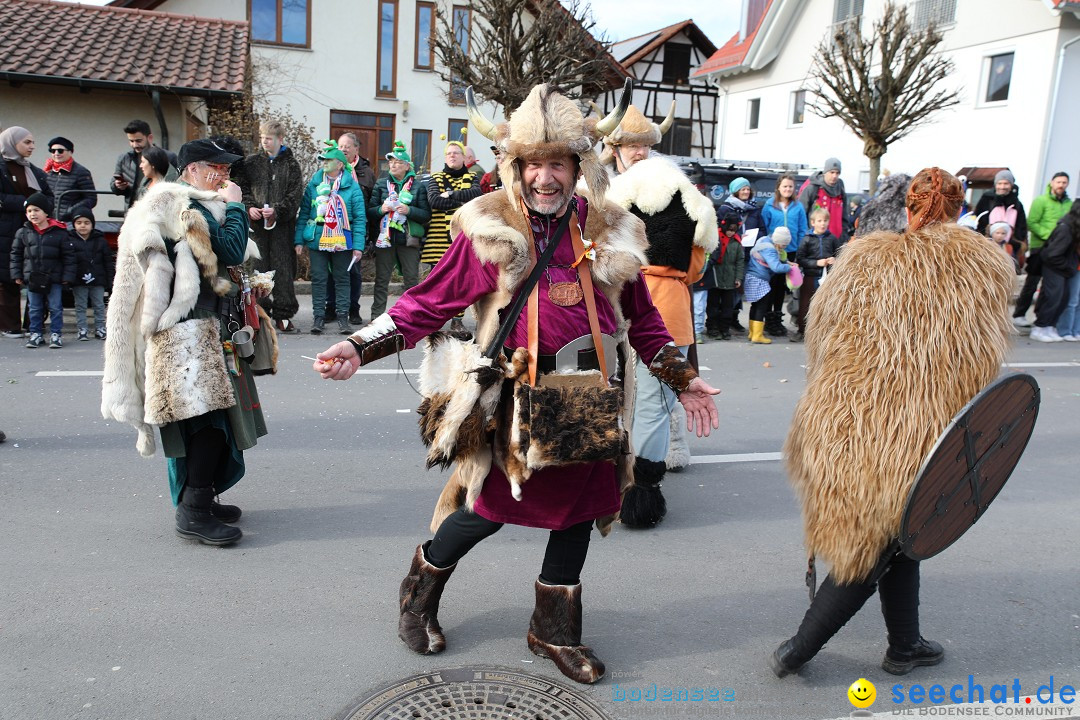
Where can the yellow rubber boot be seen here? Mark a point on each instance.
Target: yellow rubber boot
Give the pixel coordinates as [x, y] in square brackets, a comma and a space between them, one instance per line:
[757, 333]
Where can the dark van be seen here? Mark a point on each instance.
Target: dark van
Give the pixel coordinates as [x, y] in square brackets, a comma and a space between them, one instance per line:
[713, 177]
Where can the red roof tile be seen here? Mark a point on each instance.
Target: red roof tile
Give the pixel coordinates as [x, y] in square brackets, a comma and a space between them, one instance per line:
[733, 52]
[108, 46]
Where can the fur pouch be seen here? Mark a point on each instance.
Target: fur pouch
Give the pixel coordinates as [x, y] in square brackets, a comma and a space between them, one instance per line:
[567, 418]
[461, 389]
[185, 372]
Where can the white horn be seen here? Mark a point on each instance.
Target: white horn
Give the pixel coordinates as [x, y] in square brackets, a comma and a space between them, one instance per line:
[595, 109]
[477, 118]
[609, 123]
[666, 124]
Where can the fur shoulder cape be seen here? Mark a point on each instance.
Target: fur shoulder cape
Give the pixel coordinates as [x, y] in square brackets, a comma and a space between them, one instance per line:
[907, 329]
[151, 294]
[651, 185]
[499, 234]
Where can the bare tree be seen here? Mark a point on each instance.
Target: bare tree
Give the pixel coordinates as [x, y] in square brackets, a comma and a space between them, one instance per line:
[904, 93]
[512, 45]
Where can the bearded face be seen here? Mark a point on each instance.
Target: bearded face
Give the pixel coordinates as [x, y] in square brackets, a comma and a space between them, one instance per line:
[548, 185]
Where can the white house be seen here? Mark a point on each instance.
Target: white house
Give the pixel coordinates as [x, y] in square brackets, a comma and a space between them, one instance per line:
[661, 62]
[363, 66]
[1017, 65]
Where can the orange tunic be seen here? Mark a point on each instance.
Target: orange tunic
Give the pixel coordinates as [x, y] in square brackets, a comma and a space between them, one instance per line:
[670, 290]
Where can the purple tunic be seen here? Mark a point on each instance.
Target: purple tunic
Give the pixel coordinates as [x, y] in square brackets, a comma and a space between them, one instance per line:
[553, 498]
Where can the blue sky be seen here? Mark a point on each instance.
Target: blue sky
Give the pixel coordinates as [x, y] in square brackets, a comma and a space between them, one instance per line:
[621, 19]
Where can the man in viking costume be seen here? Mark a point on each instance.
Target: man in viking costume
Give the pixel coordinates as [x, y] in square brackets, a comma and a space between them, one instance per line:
[591, 288]
[881, 386]
[169, 359]
[680, 226]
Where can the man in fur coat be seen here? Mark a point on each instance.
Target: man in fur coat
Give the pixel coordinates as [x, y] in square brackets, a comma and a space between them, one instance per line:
[881, 387]
[680, 226]
[168, 356]
[273, 186]
[545, 146]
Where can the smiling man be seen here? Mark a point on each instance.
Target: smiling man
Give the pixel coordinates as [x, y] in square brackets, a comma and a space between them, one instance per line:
[592, 291]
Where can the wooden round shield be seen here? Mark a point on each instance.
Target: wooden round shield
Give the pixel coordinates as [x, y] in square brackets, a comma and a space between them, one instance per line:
[969, 465]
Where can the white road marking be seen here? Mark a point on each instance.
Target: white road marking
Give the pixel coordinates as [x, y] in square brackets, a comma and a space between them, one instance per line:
[1039, 365]
[735, 458]
[70, 373]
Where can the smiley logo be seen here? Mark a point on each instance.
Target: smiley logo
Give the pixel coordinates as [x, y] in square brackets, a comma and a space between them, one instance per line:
[862, 693]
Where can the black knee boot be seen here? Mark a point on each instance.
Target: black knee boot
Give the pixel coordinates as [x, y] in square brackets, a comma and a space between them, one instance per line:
[194, 519]
[899, 590]
[643, 504]
[774, 324]
[833, 606]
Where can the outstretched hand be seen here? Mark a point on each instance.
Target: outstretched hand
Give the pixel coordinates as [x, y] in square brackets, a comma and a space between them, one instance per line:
[337, 362]
[700, 407]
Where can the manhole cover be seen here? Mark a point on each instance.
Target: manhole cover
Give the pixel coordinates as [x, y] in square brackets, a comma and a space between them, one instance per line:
[476, 693]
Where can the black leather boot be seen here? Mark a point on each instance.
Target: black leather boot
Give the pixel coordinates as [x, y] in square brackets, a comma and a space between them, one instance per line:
[643, 504]
[555, 633]
[195, 520]
[903, 659]
[418, 600]
[833, 606]
[774, 324]
[899, 591]
[225, 513]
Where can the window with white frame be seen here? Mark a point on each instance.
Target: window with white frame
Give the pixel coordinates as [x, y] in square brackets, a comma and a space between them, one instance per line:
[798, 107]
[753, 113]
[938, 12]
[847, 10]
[997, 70]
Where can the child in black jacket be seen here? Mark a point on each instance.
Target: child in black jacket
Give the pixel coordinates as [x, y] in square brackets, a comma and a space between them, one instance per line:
[95, 273]
[43, 259]
[817, 252]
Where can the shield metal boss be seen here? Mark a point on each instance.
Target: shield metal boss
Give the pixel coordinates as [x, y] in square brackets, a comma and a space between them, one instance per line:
[969, 465]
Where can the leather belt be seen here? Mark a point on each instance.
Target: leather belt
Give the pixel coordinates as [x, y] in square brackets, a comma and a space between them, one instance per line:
[587, 360]
[226, 307]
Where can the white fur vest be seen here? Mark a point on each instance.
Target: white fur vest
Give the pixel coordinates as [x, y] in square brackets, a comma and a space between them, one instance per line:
[151, 294]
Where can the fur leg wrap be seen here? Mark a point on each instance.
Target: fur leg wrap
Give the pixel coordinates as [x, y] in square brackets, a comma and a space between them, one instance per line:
[555, 633]
[643, 504]
[678, 457]
[421, 591]
[670, 367]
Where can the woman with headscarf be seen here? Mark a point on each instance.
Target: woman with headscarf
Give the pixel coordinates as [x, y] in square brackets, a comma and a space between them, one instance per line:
[881, 387]
[19, 180]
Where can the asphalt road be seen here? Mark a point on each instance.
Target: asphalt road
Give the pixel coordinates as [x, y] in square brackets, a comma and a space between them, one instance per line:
[106, 613]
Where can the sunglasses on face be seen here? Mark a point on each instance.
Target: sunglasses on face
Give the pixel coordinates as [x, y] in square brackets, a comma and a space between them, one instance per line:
[57, 150]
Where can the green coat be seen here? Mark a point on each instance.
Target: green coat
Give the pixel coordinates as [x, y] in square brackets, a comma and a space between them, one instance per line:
[353, 196]
[419, 209]
[243, 423]
[1043, 215]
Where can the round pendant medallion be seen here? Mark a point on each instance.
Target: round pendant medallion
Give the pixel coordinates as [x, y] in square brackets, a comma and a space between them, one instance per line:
[565, 294]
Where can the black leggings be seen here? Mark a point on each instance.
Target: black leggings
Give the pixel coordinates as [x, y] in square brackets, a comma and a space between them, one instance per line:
[835, 604]
[207, 452]
[462, 530]
[758, 308]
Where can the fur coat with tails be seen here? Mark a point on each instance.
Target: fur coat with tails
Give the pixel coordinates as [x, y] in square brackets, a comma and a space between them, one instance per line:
[151, 294]
[905, 332]
[500, 235]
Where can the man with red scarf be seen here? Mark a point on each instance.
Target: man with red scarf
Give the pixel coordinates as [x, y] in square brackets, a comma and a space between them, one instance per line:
[65, 176]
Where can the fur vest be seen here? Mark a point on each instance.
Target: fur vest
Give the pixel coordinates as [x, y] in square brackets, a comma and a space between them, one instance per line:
[500, 235]
[150, 295]
[672, 208]
[905, 332]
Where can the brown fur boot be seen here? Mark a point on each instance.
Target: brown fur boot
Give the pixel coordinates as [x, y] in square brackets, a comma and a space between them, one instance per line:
[421, 591]
[555, 632]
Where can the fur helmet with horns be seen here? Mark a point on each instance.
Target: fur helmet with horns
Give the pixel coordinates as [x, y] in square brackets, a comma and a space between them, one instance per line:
[546, 125]
[635, 129]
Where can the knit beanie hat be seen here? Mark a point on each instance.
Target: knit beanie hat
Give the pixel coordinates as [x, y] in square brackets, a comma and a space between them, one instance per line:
[1001, 226]
[831, 164]
[1005, 175]
[62, 141]
[461, 146]
[40, 200]
[399, 153]
[738, 184]
[81, 211]
[781, 236]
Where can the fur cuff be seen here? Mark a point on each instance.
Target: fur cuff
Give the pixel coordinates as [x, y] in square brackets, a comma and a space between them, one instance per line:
[670, 367]
[382, 325]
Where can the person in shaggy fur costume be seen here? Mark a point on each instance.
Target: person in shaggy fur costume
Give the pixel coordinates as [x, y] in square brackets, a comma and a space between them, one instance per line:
[881, 387]
[173, 309]
[545, 147]
[680, 225]
[887, 210]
